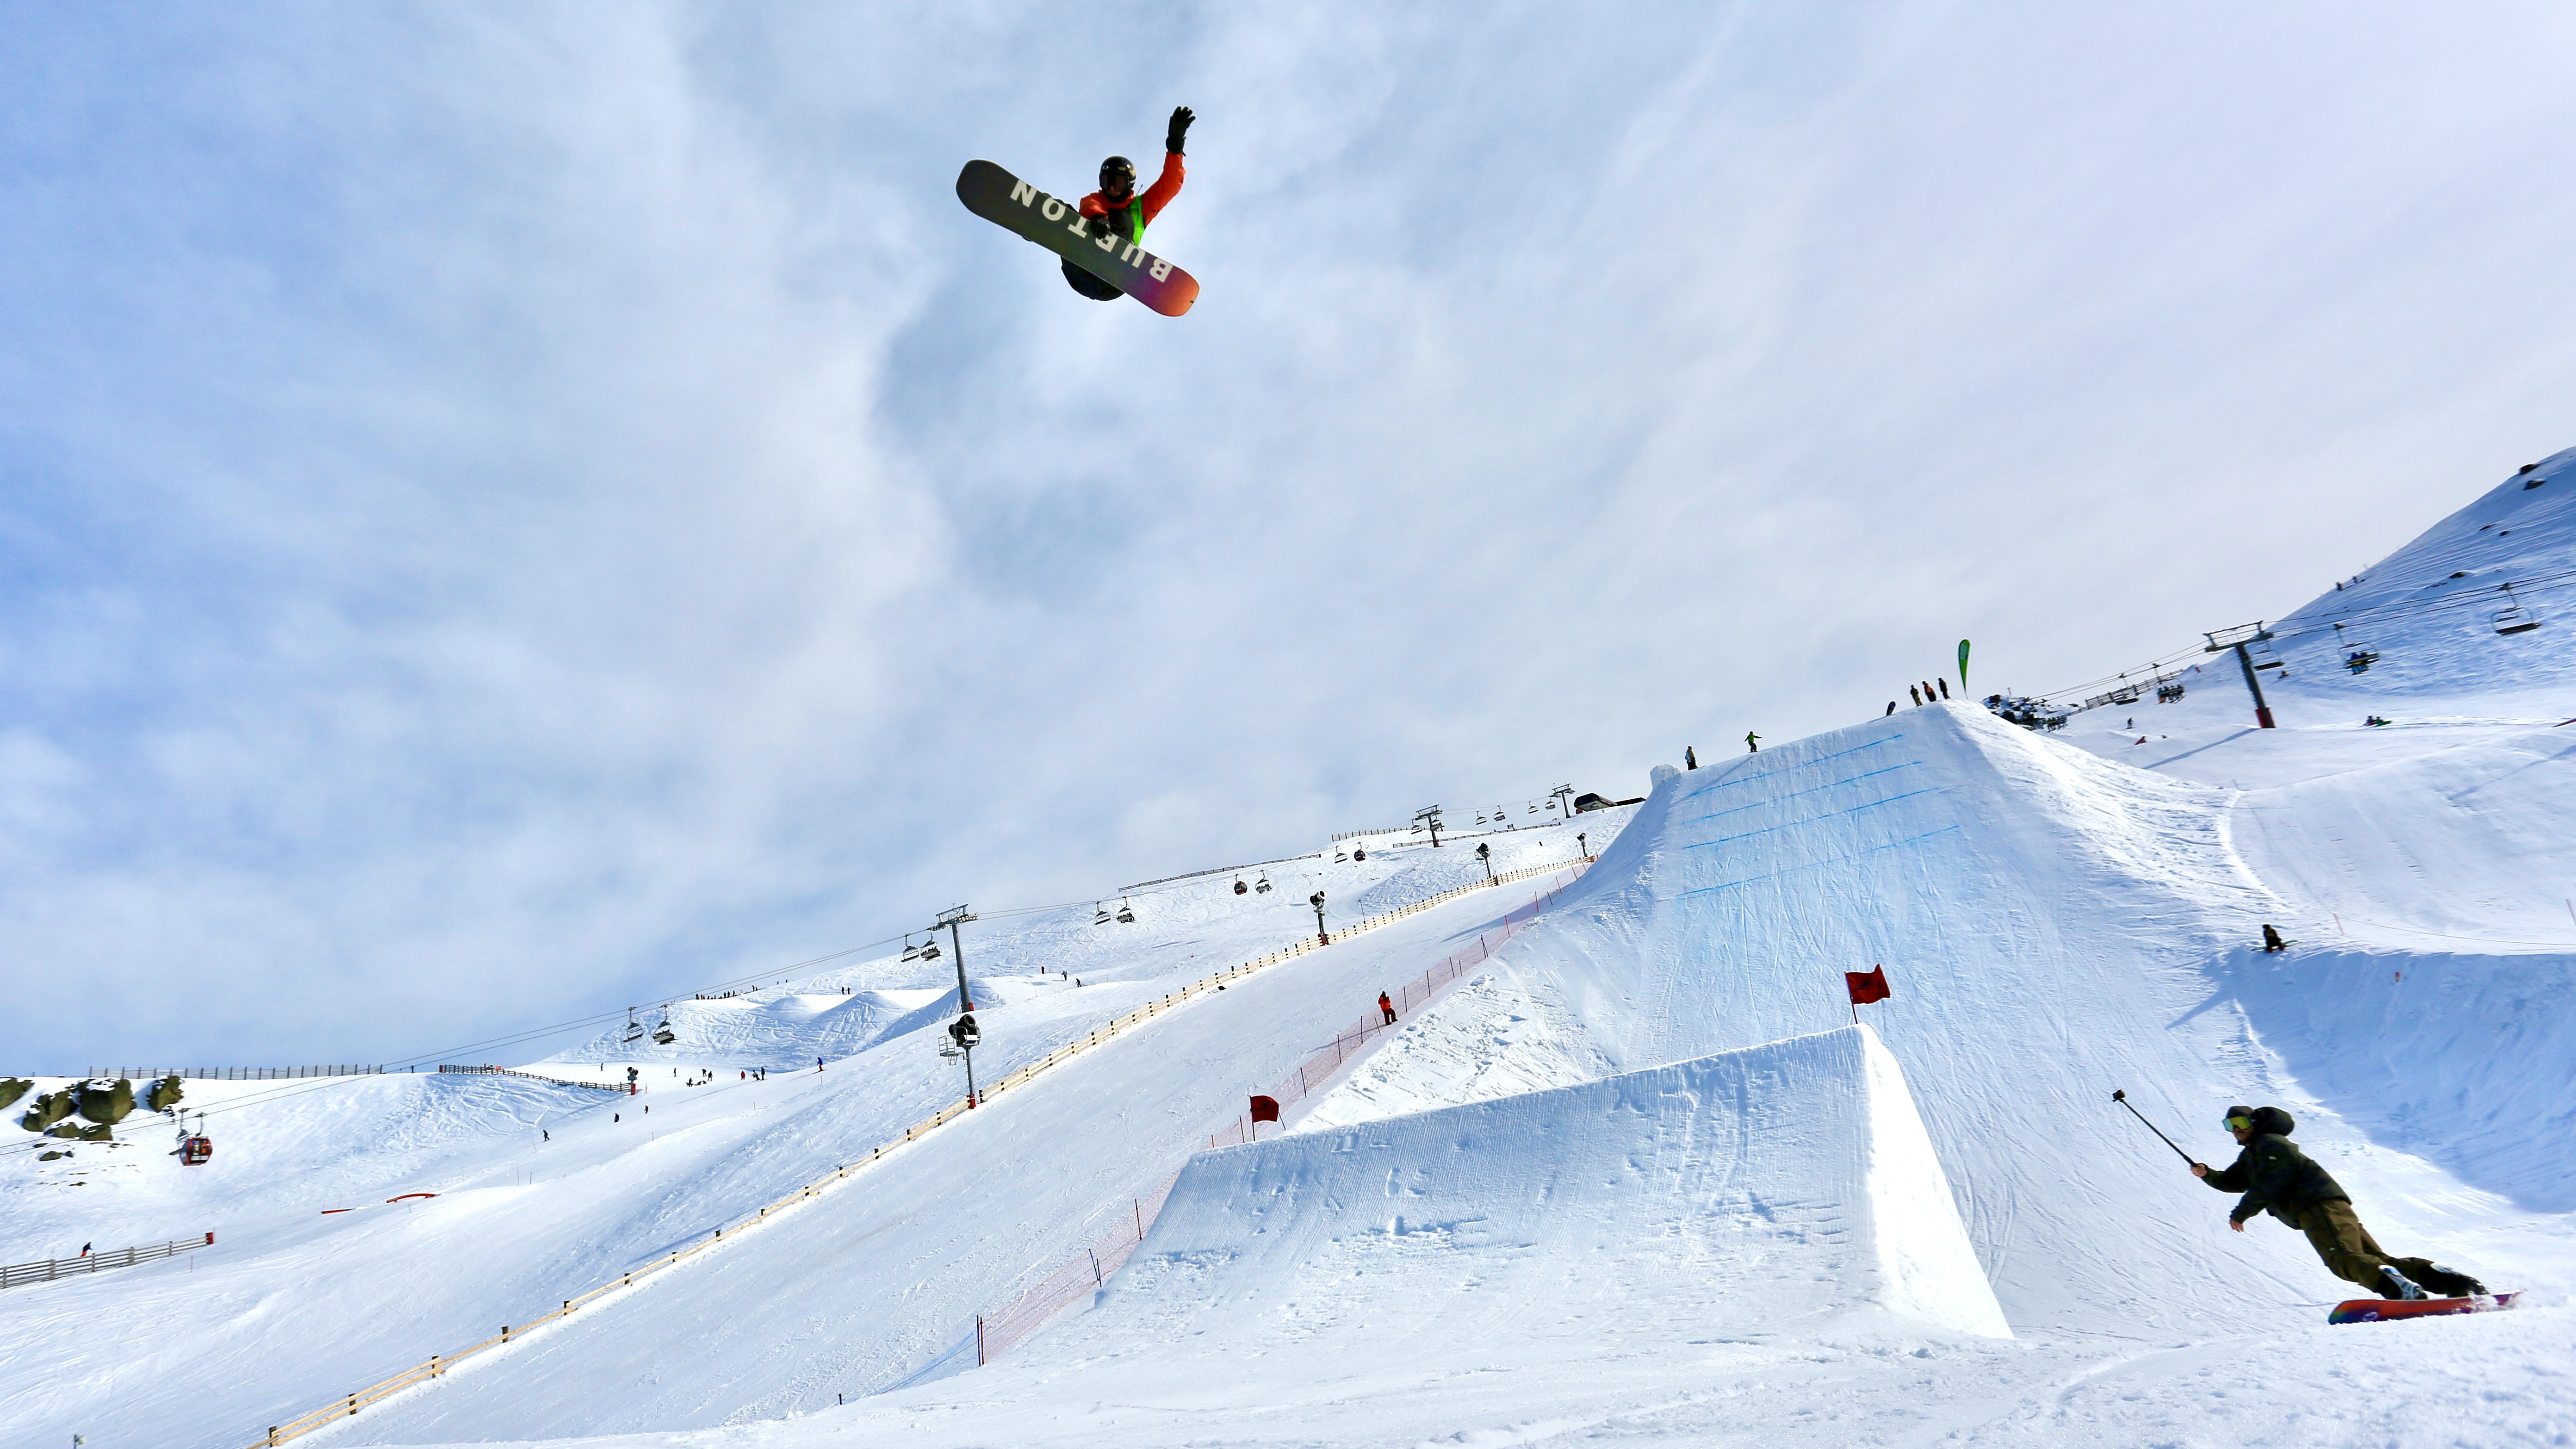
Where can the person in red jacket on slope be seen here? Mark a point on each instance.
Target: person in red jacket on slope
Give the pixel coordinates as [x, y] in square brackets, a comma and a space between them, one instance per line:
[1128, 213]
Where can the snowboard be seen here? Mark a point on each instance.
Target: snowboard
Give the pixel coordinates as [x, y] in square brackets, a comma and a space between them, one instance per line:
[2383, 1310]
[1059, 225]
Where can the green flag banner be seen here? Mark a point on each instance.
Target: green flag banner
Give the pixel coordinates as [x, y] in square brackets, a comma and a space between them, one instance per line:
[1963, 664]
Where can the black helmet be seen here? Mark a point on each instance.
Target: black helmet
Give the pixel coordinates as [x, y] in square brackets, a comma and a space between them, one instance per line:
[1117, 174]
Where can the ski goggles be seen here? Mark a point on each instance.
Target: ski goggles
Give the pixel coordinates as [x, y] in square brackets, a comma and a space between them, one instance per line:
[2239, 1124]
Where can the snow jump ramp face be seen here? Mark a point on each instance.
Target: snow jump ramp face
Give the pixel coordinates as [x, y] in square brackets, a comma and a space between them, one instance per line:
[1772, 1189]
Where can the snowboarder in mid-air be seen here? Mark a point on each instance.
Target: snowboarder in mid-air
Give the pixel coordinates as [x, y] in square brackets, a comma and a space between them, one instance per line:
[1126, 212]
[2276, 1177]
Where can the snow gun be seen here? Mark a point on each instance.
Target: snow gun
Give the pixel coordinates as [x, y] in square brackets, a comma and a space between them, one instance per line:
[2122, 1097]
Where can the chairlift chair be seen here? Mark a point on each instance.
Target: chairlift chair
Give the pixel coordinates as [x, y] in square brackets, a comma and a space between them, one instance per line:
[1101, 916]
[634, 1028]
[930, 951]
[1239, 886]
[663, 1034]
[1263, 885]
[911, 952]
[1126, 913]
[2513, 618]
[1341, 857]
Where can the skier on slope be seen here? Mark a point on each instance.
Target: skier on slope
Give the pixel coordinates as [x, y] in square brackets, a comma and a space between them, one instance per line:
[1386, 1003]
[2275, 1176]
[1127, 213]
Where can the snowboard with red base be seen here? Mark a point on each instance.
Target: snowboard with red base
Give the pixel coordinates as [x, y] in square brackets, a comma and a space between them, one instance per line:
[2383, 1310]
[1059, 225]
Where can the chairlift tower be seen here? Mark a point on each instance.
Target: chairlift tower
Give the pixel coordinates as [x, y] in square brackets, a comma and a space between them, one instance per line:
[1429, 815]
[2237, 638]
[964, 1034]
[952, 918]
[1562, 797]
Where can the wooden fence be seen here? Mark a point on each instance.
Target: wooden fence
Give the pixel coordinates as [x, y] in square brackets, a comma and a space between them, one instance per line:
[51, 1269]
[237, 1074]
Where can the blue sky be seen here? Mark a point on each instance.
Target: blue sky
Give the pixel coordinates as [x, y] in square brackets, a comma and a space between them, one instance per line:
[515, 509]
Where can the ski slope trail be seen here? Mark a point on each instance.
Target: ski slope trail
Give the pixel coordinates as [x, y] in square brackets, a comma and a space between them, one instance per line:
[840, 1297]
[543, 1191]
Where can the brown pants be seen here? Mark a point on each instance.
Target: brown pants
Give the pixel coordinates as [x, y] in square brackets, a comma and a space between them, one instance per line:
[2350, 1252]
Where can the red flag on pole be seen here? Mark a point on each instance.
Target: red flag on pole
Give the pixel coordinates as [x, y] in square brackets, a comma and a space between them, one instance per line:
[1867, 986]
[1265, 1109]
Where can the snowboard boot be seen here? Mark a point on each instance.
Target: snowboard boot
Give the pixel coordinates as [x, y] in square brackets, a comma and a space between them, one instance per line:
[2393, 1284]
[2453, 1282]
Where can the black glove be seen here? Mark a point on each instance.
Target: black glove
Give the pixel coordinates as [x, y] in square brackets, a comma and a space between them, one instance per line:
[1179, 131]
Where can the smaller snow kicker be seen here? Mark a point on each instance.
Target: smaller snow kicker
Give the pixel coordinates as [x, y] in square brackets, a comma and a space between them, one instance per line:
[1086, 242]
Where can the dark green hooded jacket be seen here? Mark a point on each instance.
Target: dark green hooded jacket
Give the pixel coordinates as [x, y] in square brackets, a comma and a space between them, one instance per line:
[2274, 1175]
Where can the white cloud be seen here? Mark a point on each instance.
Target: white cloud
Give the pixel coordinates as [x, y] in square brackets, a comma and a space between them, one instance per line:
[521, 507]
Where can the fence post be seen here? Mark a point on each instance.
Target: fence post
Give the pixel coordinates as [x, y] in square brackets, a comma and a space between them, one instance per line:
[979, 1340]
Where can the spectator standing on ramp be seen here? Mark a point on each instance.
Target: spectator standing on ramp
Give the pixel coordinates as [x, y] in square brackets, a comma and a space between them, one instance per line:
[1387, 1005]
[2276, 1177]
[1752, 745]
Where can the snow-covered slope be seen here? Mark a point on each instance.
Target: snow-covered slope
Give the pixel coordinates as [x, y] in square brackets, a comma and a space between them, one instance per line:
[545, 1191]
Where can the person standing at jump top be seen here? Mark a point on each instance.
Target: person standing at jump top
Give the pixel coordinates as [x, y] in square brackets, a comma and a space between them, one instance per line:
[1127, 213]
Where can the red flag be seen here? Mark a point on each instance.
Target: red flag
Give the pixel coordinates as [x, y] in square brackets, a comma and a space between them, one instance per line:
[1867, 986]
[1265, 1109]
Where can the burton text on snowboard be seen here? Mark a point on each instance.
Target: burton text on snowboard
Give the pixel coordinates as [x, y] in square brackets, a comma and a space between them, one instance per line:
[1059, 225]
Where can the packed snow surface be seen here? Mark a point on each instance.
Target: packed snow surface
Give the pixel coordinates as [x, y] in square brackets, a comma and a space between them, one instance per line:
[1638, 1177]
[1789, 1184]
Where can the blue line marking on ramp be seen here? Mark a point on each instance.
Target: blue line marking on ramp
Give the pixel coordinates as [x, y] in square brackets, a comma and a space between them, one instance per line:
[1767, 774]
[1812, 819]
[1810, 790]
[1811, 865]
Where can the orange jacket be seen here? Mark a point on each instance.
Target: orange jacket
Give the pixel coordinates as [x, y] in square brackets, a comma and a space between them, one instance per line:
[1141, 209]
